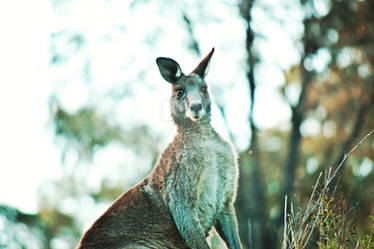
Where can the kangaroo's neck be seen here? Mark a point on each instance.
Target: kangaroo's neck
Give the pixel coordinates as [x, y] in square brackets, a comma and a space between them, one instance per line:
[195, 128]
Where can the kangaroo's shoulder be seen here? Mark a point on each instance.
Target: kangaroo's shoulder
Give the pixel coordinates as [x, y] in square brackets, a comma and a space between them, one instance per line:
[223, 146]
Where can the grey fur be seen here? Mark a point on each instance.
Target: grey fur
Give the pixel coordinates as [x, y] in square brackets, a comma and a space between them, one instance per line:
[192, 188]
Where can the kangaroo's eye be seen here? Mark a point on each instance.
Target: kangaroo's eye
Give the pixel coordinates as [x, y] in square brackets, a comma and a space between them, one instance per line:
[180, 93]
[204, 88]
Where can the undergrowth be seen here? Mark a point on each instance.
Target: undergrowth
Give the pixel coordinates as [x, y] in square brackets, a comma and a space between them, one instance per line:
[327, 221]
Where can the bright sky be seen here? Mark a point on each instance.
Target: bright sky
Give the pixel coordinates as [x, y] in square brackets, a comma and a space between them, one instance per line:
[28, 155]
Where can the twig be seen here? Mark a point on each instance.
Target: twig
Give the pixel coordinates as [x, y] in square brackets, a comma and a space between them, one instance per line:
[284, 244]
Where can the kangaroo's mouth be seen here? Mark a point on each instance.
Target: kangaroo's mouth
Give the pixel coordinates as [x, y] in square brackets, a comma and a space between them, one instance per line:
[195, 116]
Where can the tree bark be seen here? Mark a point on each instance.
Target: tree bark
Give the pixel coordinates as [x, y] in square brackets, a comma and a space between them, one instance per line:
[251, 201]
[298, 116]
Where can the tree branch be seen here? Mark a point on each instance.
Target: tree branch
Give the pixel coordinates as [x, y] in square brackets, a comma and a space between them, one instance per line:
[194, 44]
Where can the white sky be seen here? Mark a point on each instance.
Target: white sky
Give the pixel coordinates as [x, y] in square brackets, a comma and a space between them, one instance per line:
[28, 155]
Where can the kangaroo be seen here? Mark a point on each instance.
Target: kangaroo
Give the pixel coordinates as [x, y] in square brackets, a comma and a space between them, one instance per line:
[191, 189]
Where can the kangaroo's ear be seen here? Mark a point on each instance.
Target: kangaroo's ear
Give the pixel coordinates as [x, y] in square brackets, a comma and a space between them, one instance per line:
[169, 69]
[202, 68]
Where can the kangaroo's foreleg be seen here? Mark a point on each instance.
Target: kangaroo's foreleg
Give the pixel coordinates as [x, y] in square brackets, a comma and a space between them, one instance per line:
[227, 227]
[187, 222]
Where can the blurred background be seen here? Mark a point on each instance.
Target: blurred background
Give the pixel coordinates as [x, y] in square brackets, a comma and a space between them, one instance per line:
[84, 111]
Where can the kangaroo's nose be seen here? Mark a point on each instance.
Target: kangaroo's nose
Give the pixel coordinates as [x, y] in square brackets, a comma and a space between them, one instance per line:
[196, 107]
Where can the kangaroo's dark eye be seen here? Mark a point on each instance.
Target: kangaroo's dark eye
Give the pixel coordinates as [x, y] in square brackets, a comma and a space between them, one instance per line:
[180, 93]
[204, 88]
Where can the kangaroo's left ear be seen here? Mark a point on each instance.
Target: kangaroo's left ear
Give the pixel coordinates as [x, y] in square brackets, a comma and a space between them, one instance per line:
[202, 68]
[169, 69]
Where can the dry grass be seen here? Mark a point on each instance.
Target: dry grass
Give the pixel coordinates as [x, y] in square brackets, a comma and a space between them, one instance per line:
[326, 222]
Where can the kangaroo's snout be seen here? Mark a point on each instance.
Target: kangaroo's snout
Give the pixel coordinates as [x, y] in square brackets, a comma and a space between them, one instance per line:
[196, 111]
[196, 107]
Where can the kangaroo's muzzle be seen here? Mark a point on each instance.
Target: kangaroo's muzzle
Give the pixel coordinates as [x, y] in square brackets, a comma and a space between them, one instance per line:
[195, 112]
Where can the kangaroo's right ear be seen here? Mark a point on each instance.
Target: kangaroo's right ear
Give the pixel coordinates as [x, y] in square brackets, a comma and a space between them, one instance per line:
[169, 69]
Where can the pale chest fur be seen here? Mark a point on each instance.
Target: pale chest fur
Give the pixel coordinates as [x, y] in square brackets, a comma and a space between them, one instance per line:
[216, 175]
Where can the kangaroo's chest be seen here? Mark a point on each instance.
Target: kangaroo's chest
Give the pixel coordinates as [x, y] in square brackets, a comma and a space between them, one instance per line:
[214, 163]
[208, 183]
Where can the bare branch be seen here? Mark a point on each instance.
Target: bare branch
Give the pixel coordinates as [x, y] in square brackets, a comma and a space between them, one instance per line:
[194, 44]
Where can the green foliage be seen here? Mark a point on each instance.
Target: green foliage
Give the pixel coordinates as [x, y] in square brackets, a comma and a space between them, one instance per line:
[21, 230]
[107, 192]
[367, 242]
[85, 130]
[326, 223]
[334, 225]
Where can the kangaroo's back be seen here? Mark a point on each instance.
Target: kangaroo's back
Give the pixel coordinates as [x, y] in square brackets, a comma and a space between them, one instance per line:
[138, 218]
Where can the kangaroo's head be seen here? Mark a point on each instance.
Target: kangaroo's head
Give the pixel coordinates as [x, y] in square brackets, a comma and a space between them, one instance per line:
[190, 98]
